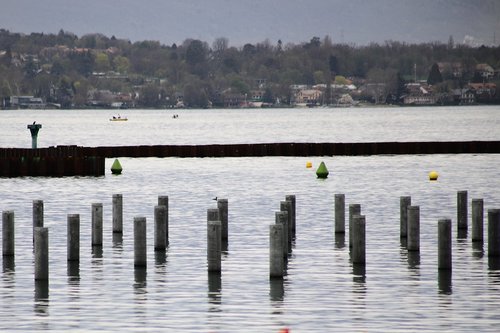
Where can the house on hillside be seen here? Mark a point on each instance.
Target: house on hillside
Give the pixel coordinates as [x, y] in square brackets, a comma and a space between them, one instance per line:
[23, 102]
[485, 71]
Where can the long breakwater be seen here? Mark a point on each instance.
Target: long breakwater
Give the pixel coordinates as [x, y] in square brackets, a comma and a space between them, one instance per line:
[61, 161]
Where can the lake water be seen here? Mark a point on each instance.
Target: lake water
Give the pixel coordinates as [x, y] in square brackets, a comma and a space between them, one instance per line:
[322, 291]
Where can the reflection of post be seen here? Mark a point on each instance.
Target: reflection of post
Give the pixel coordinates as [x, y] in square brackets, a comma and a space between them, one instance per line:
[34, 128]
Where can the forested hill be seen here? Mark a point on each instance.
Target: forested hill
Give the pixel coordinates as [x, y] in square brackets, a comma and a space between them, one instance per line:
[69, 70]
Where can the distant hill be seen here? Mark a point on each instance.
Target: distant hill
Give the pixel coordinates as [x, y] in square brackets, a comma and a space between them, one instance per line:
[351, 21]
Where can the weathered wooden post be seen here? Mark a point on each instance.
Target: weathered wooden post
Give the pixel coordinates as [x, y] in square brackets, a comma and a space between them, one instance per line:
[413, 228]
[140, 245]
[37, 215]
[358, 239]
[163, 201]
[354, 209]
[339, 213]
[41, 253]
[286, 206]
[8, 234]
[73, 237]
[222, 205]
[282, 218]
[292, 199]
[404, 203]
[462, 210]
[97, 228]
[493, 232]
[276, 261]
[444, 244]
[117, 213]
[214, 246]
[160, 226]
[477, 220]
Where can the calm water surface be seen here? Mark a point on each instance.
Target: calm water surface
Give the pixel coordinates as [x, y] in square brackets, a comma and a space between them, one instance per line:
[322, 291]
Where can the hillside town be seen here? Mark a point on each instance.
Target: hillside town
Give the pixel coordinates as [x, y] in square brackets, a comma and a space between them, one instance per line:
[63, 71]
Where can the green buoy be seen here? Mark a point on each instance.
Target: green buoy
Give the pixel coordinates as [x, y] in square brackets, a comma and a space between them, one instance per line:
[322, 171]
[116, 168]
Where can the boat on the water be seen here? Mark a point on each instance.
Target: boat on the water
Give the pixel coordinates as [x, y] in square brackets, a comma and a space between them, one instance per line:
[118, 118]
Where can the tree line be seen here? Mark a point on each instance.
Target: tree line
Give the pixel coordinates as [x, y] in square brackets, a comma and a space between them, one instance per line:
[64, 68]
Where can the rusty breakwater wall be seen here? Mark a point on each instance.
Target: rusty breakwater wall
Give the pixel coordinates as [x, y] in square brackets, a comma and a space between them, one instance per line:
[89, 161]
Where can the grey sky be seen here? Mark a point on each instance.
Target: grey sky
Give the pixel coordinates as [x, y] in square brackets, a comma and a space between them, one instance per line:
[172, 21]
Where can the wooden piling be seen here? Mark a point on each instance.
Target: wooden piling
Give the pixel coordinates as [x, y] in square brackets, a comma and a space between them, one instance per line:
[37, 215]
[214, 246]
[286, 206]
[462, 210]
[444, 244]
[493, 232]
[404, 203]
[222, 205]
[8, 233]
[358, 239]
[477, 220]
[354, 209]
[413, 228]
[97, 228]
[41, 253]
[339, 213]
[117, 213]
[276, 261]
[160, 234]
[140, 244]
[73, 237]
[282, 218]
[163, 201]
[292, 199]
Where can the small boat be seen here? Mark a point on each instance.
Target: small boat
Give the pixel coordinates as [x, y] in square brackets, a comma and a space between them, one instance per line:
[118, 118]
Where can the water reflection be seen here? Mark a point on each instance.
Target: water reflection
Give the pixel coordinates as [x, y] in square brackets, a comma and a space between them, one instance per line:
[461, 234]
[359, 277]
[413, 260]
[214, 290]
[41, 297]
[478, 250]
[140, 278]
[73, 271]
[339, 240]
[277, 294]
[494, 264]
[445, 281]
[118, 240]
[160, 258]
[9, 264]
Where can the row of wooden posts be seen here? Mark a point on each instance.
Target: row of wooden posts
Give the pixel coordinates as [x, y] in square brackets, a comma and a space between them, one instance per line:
[281, 234]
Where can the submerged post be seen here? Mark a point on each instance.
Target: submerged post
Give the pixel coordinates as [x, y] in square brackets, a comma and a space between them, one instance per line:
[140, 246]
[359, 239]
[354, 209]
[41, 253]
[339, 213]
[477, 220]
[462, 210]
[37, 215]
[97, 224]
[444, 244]
[222, 205]
[404, 203]
[493, 232]
[8, 235]
[34, 128]
[163, 201]
[160, 226]
[276, 261]
[73, 237]
[292, 199]
[117, 213]
[282, 218]
[413, 228]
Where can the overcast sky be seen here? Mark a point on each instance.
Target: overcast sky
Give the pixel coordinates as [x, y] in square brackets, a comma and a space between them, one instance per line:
[251, 21]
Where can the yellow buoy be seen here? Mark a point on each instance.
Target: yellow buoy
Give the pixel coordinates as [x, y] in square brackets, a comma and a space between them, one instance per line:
[433, 175]
[309, 165]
